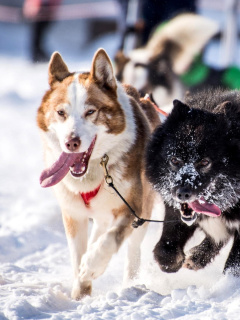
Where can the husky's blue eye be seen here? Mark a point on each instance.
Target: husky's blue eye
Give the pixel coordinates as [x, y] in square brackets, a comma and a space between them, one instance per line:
[89, 112]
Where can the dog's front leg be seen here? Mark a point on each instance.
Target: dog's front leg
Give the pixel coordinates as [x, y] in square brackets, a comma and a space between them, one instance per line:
[99, 227]
[77, 236]
[134, 253]
[135, 239]
[95, 260]
[201, 255]
[233, 261]
[168, 252]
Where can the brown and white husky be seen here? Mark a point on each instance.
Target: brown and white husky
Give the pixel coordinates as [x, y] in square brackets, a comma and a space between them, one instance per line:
[82, 117]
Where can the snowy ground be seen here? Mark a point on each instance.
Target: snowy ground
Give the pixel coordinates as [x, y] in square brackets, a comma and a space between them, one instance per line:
[35, 271]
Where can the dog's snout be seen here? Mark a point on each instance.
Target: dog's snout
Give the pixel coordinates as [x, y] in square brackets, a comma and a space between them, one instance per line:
[73, 144]
[184, 193]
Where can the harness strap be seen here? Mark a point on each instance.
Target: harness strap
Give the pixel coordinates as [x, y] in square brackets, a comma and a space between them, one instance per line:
[109, 182]
[150, 98]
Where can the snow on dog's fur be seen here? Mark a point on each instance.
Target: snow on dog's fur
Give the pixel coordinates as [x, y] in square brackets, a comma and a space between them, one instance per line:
[193, 161]
[169, 53]
[82, 117]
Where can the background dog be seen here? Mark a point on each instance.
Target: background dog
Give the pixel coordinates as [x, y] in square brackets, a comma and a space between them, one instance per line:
[84, 116]
[193, 162]
[169, 53]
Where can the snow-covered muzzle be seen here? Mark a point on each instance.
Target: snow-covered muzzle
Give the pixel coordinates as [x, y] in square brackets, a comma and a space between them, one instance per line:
[210, 199]
[76, 163]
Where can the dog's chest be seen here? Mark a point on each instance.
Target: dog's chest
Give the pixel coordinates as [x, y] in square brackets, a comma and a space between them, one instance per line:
[94, 198]
[215, 228]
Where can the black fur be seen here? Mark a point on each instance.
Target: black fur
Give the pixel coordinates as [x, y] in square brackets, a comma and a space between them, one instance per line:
[195, 153]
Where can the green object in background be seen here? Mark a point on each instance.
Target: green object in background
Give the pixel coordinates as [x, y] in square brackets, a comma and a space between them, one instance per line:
[197, 73]
[231, 78]
[160, 26]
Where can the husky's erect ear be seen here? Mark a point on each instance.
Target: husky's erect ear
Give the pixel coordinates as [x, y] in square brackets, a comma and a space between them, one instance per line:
[57, 69]
[102, 70]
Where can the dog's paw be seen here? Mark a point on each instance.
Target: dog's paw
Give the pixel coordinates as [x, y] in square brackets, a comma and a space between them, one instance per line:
[81, 289]
[173, 265]
[191, 264]
[167, 261]
[93, 264]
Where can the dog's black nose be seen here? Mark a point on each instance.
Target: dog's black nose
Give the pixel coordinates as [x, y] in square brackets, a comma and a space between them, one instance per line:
[184, 193]
[73, 144]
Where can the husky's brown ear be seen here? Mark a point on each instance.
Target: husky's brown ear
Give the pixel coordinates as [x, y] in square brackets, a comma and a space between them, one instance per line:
[102, 70]
[57, 69]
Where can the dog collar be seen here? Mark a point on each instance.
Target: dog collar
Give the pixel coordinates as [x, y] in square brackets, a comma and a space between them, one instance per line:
[88, 196]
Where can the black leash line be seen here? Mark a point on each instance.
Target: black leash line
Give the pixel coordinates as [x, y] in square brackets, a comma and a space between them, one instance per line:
[109, 182]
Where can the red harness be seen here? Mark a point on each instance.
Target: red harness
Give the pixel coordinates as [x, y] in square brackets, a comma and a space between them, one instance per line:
[88, 196]
[147, 97]
[159, 110]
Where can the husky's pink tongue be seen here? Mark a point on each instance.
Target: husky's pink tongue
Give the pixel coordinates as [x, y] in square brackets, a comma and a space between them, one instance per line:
[58, 170]
[76, 162]
[201, 206]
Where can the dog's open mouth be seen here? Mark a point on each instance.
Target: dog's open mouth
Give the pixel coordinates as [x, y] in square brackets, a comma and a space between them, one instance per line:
[189, 210]
[77, 163]
[187, 214]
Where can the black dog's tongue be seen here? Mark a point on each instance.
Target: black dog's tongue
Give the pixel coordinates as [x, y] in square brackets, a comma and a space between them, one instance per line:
[202, 206]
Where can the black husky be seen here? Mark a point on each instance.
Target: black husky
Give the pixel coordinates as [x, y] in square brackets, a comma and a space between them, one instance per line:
[193, 161]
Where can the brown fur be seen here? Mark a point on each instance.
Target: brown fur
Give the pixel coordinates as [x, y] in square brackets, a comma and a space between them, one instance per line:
[151, 113]
[120, 62]
[54, 97]
[70, 225]
[58, 70]
[107, 106]
[146, 105]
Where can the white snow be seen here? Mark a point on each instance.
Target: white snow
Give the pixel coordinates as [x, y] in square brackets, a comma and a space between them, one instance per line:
[35, 271]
